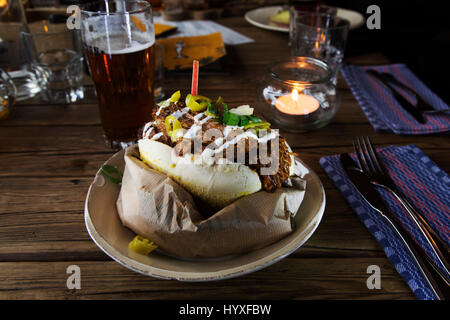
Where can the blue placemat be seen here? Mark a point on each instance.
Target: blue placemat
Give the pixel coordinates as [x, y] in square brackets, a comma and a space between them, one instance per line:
[425, 185]
[383, 111]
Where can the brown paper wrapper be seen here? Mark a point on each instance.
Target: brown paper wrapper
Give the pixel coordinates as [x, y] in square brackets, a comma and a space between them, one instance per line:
[156, 207]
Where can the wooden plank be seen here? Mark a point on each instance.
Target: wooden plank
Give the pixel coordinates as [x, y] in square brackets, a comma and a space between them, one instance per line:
[57, 250]
[292, 278]
[39, 195]
[52, 164]
[58, 138]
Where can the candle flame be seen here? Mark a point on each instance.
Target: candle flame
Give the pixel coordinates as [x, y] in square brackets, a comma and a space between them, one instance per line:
[45, 26]
[294, 95]
[3, 3]
[320, 40]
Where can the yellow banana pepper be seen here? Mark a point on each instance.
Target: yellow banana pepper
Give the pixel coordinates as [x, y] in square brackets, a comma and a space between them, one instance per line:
[175, 97]
[142, 245]
[191, 102]
[173, 126]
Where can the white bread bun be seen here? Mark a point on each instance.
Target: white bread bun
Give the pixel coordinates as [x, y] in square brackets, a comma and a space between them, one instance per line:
[218, 184]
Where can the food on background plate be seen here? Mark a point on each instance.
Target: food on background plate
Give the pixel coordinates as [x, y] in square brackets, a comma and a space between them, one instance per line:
[280, 19]
[177, 143]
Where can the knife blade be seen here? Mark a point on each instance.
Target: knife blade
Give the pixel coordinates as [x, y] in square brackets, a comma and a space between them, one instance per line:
[362, 184]
[405, 104]
[423, 106]
[436, 280]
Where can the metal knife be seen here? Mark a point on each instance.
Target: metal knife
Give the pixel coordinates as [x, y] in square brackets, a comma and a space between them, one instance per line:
[389, 77]
[423, 106]
[405, 104]
[435, 278]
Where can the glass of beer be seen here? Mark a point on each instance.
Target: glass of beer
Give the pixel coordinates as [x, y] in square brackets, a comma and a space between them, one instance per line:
[119, 38]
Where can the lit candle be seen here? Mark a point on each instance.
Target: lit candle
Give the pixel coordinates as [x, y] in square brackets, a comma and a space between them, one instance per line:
[297, 104]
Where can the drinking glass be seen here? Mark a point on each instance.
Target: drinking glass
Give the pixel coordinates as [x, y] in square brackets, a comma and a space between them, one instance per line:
[12, 22]
[305, 6]
[18, 85]
[319, 35]
[56, 51]
[119, 38]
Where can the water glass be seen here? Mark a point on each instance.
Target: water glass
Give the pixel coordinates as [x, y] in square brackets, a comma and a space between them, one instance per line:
[12, 22]
[304, 6]
[57, 53]
[18, 85]
[319, 35]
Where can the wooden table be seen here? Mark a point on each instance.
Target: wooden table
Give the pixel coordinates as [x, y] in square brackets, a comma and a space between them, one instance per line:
[49, 156]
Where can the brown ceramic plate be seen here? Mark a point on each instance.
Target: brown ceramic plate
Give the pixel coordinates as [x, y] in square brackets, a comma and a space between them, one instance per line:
[106, 230]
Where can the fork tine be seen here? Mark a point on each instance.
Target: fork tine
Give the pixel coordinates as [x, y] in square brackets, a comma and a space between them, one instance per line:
[359, 154]
[368, 158]
[374, 156]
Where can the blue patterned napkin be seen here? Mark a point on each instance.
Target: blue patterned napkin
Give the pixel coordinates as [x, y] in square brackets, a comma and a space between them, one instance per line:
[383, 111]
[425, 185]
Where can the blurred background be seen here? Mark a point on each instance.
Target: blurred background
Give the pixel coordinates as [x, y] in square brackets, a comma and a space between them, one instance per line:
[414, 32]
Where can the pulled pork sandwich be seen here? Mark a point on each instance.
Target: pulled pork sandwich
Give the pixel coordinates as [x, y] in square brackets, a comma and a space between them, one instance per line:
[215, 153]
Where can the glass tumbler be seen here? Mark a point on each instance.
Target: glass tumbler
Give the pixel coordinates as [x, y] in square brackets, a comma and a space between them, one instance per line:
[17, 86]
[56, 51]
[119, 41]
[12, 22]
[321, 36]
[305, 6]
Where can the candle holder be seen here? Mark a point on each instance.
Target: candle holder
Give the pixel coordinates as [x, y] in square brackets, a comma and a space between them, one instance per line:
[298, 94]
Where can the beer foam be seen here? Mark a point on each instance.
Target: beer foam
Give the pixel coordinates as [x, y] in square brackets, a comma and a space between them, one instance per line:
[117, 40]
[120, 45]
[135, 46]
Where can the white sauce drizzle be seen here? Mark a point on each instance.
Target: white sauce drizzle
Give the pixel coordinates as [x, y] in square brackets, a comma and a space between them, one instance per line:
[228, 129]
[157, 136]
[198, 116]
[180, 113]
[162, 105]
[147, 129]
[190, 134]
[205, 120]
[248, 134]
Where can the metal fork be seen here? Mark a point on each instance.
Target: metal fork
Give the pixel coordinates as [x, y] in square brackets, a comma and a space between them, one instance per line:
[378, 175]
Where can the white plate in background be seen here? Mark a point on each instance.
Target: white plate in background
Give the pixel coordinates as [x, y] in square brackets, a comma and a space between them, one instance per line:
[260, 17]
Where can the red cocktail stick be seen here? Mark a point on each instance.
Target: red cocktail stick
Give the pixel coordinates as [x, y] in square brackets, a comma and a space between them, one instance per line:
[194, 85]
